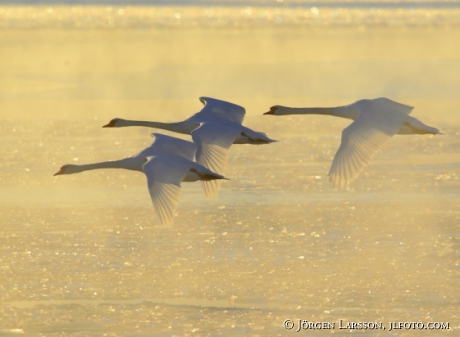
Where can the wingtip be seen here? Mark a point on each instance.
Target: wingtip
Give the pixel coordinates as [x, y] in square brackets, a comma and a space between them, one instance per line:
[338, 184]
[210, 197]
[167, 222]
[211, 188]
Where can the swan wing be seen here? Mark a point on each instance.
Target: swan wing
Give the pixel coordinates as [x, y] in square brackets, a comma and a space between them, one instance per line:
[213, 141]
[164, 144]
[163, 179]
[218, 109]
[360, 140]
[384, 104]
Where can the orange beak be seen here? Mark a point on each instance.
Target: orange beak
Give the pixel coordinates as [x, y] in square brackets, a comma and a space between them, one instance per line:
[271, 112]
[110, 124]
[61, 171]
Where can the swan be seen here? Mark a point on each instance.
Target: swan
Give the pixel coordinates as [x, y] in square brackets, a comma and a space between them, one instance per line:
[213, 110]
[166, 163]
[375, 122]
[214, 129]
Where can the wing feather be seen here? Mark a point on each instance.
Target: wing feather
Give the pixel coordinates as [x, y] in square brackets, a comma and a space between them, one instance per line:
[213, 141]
[164, 144]
[163, 180]
[360, 141]
[215, 108]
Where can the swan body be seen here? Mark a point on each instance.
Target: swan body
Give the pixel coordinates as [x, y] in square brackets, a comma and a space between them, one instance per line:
[217, 119]
[166, 163]
[375, 121]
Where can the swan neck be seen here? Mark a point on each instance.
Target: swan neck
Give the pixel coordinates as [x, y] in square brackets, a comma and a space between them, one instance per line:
[340, 111]
[122, 163]
[179, 127]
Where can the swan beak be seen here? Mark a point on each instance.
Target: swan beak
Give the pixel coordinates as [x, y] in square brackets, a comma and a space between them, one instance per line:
[271, 112]
[111, 124]
[61, 171]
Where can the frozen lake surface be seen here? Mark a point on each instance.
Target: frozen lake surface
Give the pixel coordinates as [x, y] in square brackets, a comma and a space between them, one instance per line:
[84, 255]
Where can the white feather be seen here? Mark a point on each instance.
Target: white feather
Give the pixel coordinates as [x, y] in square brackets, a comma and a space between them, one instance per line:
[217, 109]
[376, 123]
[164, 144]
[213, 141]
[164, 177]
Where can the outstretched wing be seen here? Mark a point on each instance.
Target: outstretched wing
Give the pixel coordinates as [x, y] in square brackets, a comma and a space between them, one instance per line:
[163, 179]
[163, 145]
[218, 109]
[360, 140]
[213, 141]
[384, 104]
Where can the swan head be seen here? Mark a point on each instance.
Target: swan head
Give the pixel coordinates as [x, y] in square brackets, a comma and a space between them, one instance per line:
[115, 123]
[274, 110]
[67, 169]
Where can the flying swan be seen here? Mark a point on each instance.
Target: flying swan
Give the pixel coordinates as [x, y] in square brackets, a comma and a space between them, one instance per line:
[166, 163]
[214, 129]
[375, 122]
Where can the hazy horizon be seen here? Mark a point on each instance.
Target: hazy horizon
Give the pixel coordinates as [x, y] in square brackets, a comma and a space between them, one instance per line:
[263, 3]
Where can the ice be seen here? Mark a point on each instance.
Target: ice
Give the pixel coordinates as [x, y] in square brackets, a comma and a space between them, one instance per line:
[84, 254]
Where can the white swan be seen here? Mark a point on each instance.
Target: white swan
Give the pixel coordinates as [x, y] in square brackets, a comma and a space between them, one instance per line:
[214, 110]
[375, 122]
[166, 163]
[214, 129]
